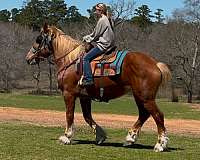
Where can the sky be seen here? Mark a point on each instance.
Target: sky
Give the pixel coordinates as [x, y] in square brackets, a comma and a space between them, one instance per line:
[167, 5]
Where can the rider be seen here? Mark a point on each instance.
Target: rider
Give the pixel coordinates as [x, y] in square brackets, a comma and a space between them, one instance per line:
[103, 39]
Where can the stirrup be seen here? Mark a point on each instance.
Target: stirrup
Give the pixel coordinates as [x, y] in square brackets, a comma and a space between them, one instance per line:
[83, 82]
[80, 82]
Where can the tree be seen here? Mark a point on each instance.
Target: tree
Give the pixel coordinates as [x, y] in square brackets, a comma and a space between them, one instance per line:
[187, 42]
[14, 13]
[192, 8]
[143, 17]
[36, 12]
[9, 69]
[92, 17]
[31, 14]
[4, 15]
[73, 15]
[50, 74]
[158, 16]
[56, 11]
[122, 10]
[36, 77]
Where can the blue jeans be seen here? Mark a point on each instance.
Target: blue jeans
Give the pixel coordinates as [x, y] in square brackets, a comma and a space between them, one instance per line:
[87, 58]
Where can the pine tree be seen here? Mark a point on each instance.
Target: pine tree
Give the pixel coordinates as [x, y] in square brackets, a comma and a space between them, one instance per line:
[158, 16]
[143, 17]
[4, 15]
[73, 15]
[37, 12]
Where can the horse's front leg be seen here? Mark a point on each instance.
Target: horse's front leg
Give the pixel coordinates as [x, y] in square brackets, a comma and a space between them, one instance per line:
[70, 106]
[86, 109]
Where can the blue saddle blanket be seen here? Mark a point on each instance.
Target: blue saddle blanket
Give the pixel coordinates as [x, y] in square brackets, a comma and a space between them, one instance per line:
[110, 66]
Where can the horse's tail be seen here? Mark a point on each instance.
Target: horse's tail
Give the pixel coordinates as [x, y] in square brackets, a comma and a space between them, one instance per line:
[166, 74]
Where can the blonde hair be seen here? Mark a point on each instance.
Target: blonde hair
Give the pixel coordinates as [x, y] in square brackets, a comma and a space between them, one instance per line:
[102, 7]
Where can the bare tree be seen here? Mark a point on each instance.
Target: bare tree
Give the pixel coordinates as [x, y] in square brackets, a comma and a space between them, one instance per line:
[15, 41]
[8, 67]
[122, 10]
[187, 42]
[184, 40]
[50, 74]
[36, 77]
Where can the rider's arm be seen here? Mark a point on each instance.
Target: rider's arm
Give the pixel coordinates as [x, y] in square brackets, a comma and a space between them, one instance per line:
[98, 31]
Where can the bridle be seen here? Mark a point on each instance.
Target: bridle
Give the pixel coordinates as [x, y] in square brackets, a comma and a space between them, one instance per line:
[45, 43]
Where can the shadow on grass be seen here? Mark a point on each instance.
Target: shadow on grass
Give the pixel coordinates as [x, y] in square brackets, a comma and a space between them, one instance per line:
[135, 146]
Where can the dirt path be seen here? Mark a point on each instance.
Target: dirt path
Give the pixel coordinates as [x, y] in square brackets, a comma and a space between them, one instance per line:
[55, 118]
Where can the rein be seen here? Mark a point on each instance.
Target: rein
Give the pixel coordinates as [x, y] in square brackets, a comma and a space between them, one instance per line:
[68, 65]
[60, 58]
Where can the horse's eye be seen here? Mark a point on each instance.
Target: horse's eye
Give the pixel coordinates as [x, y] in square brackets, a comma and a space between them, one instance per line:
[39, 39]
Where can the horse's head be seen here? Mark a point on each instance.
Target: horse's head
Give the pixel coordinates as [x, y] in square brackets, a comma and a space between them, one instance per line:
[42, 47]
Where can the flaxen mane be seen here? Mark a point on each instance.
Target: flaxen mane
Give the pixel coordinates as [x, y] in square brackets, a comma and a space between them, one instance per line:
[67, 45]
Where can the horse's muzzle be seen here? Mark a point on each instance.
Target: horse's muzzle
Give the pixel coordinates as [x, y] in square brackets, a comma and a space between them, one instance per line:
[31, 62]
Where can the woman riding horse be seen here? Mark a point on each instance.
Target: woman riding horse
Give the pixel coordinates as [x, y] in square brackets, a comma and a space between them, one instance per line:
[103, 37]
[139, 73]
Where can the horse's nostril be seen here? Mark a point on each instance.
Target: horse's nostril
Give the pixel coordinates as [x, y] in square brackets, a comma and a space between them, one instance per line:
[27, 61]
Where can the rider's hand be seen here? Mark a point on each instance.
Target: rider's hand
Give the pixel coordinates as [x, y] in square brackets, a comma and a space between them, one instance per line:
[87, 39]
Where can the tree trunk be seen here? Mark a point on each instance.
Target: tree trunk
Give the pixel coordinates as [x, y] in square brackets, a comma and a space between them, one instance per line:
[189, 96]
[37, 78]
[50, 79]
[174, 97]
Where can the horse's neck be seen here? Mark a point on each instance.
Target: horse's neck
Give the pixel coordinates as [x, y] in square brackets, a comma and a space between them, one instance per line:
[66, 50]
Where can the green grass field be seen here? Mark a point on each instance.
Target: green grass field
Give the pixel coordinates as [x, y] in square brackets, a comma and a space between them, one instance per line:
[124, 105]
[24, 141]
[27, 142]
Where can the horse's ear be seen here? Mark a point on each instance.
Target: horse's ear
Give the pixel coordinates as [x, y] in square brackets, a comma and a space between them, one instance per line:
[45, 28]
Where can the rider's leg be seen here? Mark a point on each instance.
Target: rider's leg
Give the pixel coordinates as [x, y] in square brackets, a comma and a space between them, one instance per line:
[87, 58]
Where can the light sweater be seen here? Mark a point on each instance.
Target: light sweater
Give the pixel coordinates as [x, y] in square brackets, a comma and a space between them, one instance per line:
[103, 34]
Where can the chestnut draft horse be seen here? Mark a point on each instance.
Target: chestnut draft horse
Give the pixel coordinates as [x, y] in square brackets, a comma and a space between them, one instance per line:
[139, 72]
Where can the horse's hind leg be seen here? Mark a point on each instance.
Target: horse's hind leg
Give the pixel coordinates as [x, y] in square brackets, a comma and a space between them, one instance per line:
[158, 117]
[147, 108]
[134, 131]
[86, 109]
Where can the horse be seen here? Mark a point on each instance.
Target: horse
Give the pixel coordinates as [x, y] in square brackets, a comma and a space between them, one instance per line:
[140, 73]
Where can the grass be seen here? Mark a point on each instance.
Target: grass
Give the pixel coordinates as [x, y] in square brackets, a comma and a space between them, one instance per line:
[124, 105]
[24, 142]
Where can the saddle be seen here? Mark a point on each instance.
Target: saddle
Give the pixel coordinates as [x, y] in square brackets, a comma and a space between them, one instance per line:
[108, 64]
[105, 65]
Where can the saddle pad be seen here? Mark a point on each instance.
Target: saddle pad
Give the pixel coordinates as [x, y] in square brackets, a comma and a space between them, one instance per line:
[108, 67]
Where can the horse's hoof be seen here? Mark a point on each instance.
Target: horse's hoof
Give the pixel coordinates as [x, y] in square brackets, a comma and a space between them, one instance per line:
[161, 145]
[158, 148]
[131, 138]
[100, 135]
[64, 140]
[100, 141]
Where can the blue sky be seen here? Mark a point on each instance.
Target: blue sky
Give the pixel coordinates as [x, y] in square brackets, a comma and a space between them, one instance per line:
[167, 5]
